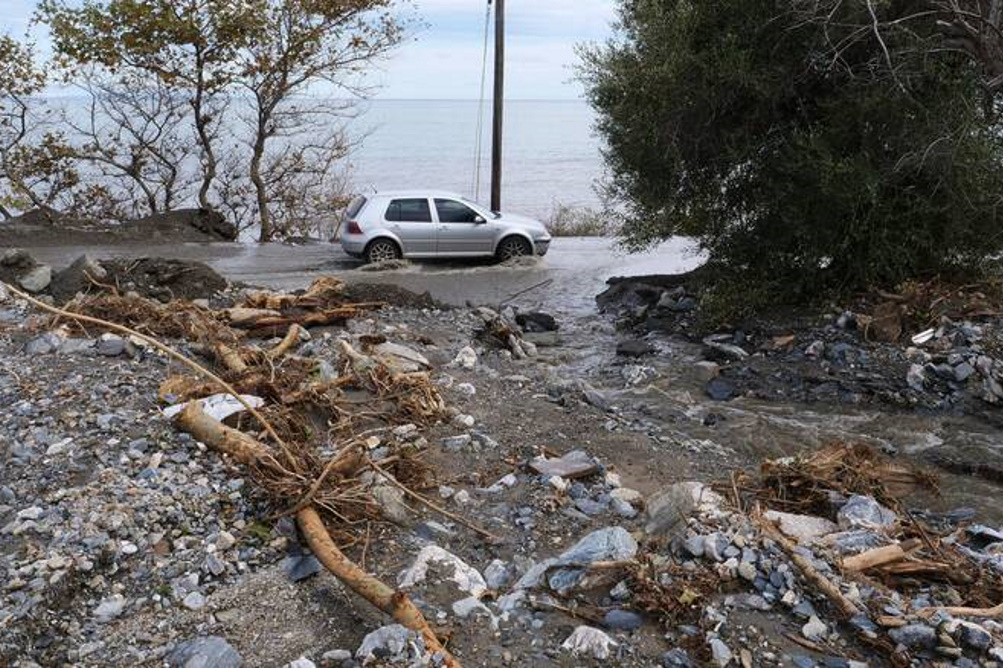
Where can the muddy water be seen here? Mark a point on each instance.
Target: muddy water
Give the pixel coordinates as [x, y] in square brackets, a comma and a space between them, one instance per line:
[673, 409]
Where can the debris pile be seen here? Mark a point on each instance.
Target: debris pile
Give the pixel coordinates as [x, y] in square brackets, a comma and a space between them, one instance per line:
[330, 479]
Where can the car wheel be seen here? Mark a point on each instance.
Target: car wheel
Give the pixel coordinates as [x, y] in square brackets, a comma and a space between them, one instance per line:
[382, 250]
[511, 247]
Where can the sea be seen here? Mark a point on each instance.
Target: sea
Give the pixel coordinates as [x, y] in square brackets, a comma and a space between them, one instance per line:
[551, 156]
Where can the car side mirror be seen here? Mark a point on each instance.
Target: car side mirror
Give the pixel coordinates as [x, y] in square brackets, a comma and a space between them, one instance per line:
[479, 219]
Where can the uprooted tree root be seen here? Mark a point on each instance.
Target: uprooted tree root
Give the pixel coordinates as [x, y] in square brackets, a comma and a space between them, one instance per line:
[804, 484]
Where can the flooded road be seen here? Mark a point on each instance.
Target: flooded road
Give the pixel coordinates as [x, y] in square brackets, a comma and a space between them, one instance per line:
[673, 408]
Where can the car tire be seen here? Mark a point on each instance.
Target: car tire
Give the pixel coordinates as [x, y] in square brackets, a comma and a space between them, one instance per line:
[382, 250]
[511, 247]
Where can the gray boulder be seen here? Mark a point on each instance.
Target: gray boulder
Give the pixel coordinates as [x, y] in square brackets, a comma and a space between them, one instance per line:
[37, 279]
[863, 512]
[205, 652]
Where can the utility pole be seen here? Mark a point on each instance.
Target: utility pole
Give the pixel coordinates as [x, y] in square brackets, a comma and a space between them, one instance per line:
[499, 104]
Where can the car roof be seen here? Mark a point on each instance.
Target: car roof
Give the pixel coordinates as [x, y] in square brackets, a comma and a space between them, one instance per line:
[418, 193]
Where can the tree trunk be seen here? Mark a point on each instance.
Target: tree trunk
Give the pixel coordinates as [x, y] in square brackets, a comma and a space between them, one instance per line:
[261, 191]
[202, 128]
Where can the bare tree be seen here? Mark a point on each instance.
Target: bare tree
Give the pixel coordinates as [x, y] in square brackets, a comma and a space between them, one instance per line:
[134, 132]
[305, 46]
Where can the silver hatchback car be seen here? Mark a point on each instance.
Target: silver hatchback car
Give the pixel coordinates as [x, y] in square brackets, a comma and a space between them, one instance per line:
[425, 224]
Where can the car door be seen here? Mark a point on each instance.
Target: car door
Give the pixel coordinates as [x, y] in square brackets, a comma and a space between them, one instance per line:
[410, 218]
[461, 230]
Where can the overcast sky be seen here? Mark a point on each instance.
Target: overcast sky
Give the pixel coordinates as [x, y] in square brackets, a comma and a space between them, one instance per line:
[442, 58]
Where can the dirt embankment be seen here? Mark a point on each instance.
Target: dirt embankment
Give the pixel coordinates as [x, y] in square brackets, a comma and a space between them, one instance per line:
[43, 227]
[929, 346]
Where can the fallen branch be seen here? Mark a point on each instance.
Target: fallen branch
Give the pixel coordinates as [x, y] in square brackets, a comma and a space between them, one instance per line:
[880, 556]
[167, 350]
[986, 613]
[291, 339]
[251, 453]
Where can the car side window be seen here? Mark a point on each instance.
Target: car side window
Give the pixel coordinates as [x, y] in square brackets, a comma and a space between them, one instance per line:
[409, 211]
[451, 211]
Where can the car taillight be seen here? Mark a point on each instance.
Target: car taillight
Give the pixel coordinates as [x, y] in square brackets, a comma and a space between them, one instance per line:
[353, 228]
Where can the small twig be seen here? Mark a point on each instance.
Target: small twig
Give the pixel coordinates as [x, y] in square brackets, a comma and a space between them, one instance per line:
[167, 350]
[437, 508]
[365, 547]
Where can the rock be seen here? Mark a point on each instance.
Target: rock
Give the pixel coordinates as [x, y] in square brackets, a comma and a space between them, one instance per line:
[465, 359]
[109, 608]
[76, 278]
[622, 620]
[721, 389]
[457, 442]
[110, 345]
[590, 507]
[609, 544]
[916, 377]
[886, 323]
[721, 656]
[391, 502]
[676, 658]
[814, 629]
[45, 344]
[803, 528]
[388, 643]
[336, 656]
[668, 509]
[634, 348]
[575, 464]
[706, 370]
[588, 641]
[863, 512]
[194, 601]
[205, 652]
[301, 662]
[974, 636]
[536, 321]
[914, 636]
[714, 546]
[299, 567]
[747, 571]
[465, 577]
[623, 509]
[815, 350]
[497, 574]
[853, 542]
[36, 280]
[963, 372]
[401, 358]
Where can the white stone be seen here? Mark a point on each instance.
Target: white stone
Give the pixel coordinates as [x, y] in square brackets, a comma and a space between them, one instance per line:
[589, 641]
[803, 528]
[466, 577]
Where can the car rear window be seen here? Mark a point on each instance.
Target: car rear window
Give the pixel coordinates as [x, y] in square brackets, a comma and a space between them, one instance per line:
[354, 207]
[409, 211]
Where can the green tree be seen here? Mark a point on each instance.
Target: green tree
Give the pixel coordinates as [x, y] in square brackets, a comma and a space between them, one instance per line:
[805, 146]
[35, 166]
